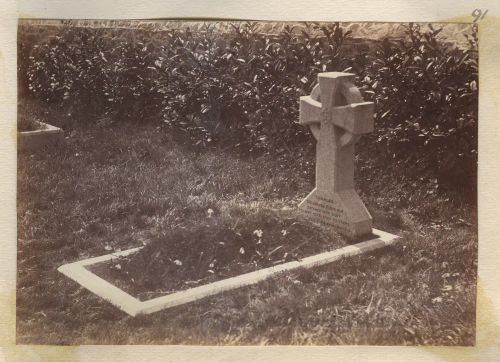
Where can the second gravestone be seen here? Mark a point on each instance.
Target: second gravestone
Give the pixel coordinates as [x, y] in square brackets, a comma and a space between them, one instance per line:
[337, 115]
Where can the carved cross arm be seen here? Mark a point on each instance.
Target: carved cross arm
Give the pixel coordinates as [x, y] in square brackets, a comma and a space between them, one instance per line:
[355, 118]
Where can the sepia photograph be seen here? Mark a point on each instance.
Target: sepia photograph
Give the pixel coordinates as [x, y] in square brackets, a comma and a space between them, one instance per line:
[228, 182]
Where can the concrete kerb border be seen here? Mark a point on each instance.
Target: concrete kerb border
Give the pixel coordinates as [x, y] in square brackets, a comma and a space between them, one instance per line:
[78, 272]
[34, 140]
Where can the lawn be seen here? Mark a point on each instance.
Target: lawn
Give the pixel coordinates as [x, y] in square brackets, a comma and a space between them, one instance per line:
[117, 186]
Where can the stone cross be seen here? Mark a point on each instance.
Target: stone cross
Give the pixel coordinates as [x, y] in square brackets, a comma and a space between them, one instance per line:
[337, 116]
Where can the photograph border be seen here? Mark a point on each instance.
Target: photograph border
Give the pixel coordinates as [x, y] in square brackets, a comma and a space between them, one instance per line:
[488, 290]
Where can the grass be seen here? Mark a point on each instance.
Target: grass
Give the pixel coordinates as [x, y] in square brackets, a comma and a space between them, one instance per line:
[120, 186]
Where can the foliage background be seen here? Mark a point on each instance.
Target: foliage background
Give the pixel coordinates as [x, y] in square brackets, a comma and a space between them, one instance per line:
[235, 86]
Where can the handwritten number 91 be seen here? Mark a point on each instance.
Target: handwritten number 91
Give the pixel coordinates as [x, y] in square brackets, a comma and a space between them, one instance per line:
[478, 14]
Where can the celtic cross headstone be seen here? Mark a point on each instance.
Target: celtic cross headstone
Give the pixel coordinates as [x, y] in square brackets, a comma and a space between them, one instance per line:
[337, 116]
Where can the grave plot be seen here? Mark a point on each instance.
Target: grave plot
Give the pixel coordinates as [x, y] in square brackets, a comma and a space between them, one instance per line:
[40, 136]
[81, 272]
[34, 135]
[183, 259]
[214, 258]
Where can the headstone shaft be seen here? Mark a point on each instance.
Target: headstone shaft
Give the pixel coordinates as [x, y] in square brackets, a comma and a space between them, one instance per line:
[337, 115]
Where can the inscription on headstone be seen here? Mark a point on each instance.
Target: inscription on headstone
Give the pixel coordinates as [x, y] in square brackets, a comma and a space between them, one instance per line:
[337, 115]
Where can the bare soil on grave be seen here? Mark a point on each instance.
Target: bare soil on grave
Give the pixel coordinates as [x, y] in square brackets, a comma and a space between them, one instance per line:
[187, 258]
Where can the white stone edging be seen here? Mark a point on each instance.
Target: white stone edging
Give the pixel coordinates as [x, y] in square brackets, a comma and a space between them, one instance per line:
[36, 139]
[77, 271]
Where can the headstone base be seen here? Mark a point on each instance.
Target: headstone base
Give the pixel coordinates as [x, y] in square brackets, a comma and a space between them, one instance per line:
[341, 211]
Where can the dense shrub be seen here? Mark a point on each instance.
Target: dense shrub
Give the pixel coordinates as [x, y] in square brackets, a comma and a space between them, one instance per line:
[134, 66]
[240, 88]
[92, 71]
[426, 97]
[242, 85]
[245, 86]
[68, 69]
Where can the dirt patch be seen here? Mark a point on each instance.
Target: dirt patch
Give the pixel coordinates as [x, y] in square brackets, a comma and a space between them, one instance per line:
[186, 258]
